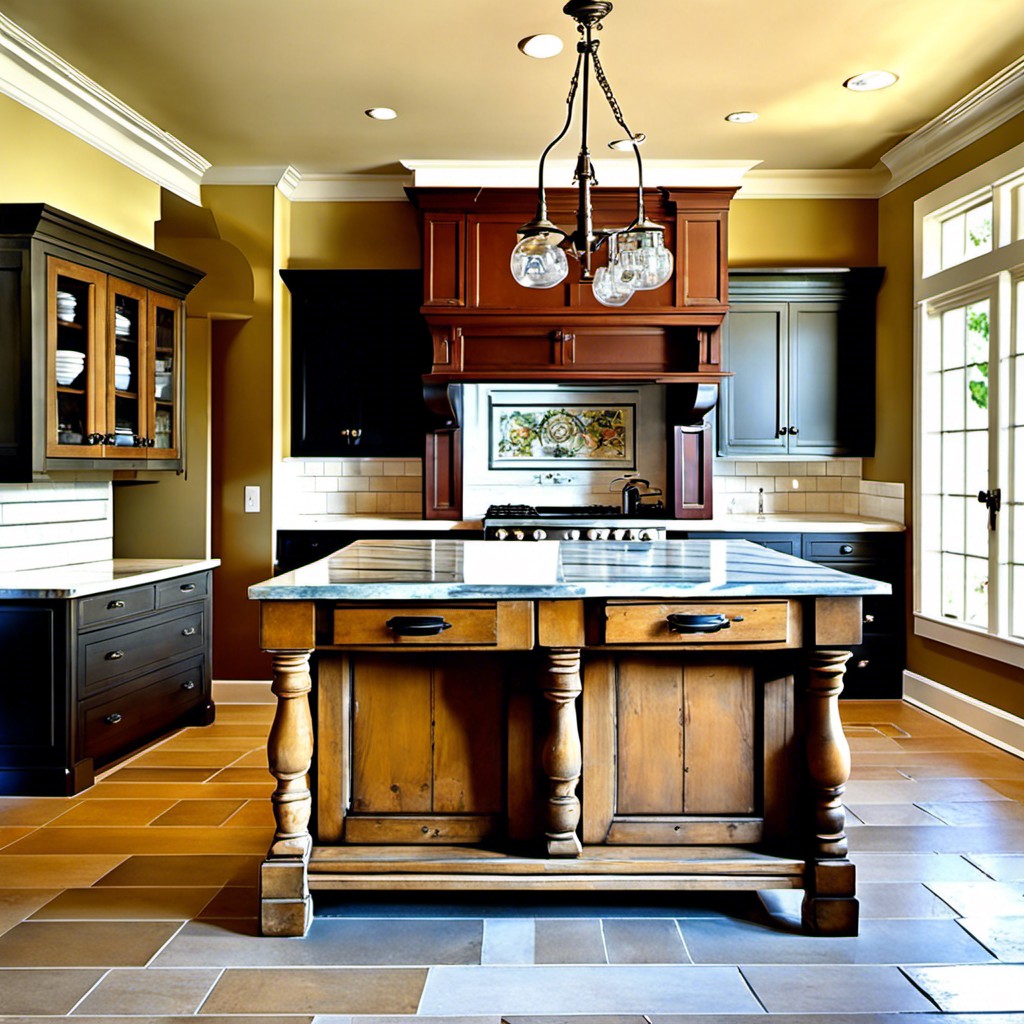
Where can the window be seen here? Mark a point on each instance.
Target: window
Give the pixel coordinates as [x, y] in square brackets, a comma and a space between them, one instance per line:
[969, 366]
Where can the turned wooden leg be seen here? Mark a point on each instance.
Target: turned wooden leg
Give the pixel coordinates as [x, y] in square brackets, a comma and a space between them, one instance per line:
[830, 905]
[563, 757]
[286, 907]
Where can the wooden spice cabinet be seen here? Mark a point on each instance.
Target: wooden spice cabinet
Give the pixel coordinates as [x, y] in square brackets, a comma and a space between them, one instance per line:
[70, 290]
[91, 679]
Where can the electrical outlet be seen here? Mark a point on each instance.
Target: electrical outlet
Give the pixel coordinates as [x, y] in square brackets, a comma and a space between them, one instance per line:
[252, 499]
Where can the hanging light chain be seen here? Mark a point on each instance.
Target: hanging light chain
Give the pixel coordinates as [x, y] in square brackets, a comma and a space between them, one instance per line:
[606, 88]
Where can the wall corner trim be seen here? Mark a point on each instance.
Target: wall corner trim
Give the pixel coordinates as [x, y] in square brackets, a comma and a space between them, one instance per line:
[985, 721]
[993, 103]
[42, 81]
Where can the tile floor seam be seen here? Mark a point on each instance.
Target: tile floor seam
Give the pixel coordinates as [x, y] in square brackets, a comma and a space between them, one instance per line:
[85, 995]
[202, 1002]
[923, 991]
[682, 939]
[177, 931]
[604, 939]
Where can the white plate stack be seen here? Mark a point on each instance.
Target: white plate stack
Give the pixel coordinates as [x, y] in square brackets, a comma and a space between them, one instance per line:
[66, 303]
[69, 365]
[122, 373]
[122, 325]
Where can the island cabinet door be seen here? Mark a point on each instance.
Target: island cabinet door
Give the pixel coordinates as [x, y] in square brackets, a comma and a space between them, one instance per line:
[683, 750]
[413, 748]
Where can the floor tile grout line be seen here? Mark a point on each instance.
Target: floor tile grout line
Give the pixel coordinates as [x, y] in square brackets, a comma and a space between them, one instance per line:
[202, 1002]
[85, 995]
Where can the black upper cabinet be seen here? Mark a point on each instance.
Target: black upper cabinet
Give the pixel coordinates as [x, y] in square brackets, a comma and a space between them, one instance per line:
[359, 350]
[801, 346]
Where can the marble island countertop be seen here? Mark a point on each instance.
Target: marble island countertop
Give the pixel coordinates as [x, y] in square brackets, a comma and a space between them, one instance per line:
[779, 522]
[87, 578]
[457, 569]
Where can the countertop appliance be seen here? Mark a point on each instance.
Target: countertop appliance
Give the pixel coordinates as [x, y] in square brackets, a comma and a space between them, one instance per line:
[573, 522]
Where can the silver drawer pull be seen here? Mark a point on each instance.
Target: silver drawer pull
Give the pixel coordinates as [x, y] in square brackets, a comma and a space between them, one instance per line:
[188, 685]
[112, 719]
[113, 655]
[189, 631]
[869, 618]
[187, 588]
[115, 604]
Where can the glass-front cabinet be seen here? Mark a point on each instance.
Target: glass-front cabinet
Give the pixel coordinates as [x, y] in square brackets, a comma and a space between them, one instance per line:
[93, 358]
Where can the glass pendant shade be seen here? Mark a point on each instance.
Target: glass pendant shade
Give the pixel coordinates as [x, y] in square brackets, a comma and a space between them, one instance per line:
[643, 251]
[613, 285]
[538, 261]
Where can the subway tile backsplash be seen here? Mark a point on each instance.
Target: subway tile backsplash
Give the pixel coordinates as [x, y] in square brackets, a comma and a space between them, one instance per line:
[358, 487]
[829, 485]
[49, 524]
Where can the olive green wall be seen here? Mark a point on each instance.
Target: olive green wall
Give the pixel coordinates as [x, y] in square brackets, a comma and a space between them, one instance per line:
[991, 682]
[803, 232]
[43, 163]
[354, 236]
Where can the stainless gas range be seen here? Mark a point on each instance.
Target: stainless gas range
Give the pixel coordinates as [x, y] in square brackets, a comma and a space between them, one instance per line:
[573, 522]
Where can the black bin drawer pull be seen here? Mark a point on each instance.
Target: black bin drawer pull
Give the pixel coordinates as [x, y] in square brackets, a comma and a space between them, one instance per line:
[112, 719]
[189, 684]
[187, 588]
[189, 631]
[115, 604]
[113, 655]
[417, 625]
[685, 622]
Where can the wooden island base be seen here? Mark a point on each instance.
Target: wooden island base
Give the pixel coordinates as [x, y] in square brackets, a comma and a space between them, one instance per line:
[708, 761]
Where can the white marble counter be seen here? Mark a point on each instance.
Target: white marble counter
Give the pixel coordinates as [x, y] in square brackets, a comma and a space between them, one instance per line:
[458, 569]
[783, 522]
[96, 577]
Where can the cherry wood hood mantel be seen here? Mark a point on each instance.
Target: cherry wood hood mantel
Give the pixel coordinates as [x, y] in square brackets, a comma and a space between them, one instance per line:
[485, 328]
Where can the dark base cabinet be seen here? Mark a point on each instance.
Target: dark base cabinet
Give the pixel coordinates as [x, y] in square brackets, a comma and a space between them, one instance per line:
[875, 672]
[89, 680]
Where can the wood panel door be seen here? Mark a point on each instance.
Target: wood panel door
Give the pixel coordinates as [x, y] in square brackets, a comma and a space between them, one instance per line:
[413, 748]
[676, 750]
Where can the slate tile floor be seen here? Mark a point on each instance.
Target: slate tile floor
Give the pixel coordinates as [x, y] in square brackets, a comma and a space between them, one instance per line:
[135, 901]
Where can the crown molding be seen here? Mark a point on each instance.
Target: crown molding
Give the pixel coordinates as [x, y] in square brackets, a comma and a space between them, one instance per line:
[614, 169]
[287, 179]
[820, 184]
[40, 80]
[979, 112]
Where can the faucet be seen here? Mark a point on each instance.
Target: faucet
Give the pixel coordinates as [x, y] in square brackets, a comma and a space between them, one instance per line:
[631, 495]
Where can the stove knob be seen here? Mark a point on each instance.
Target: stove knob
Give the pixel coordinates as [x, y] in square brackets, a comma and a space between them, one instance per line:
[631, 534]
[572, 534]
[620, 534]
[539, 534]
[644, 535]
[501, 533]
[518, 534]
[594, 534]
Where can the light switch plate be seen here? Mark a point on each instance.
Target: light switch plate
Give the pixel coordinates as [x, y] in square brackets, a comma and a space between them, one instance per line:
[252, 499]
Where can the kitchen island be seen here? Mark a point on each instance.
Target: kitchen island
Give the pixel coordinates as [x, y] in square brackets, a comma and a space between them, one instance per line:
[449, 752]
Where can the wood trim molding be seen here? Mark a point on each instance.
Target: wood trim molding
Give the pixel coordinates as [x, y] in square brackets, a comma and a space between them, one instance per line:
[39, 79]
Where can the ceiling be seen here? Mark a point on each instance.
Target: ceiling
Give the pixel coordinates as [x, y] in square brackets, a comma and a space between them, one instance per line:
[261, 83]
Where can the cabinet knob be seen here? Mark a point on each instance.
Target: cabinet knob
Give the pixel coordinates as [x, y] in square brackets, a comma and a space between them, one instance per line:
[115, 604]
[869, 618]
[189, 631]
[187, 588]
[112, 719]
[846, 549]
[794, 430]
[189, 684]
[113, 655]
[863, 663]
[783, 431]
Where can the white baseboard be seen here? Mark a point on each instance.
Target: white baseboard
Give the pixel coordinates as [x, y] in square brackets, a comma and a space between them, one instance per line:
[982, 720]
[242, 691]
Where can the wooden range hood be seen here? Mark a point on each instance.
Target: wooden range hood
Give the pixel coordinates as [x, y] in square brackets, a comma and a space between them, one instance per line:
[485, 328]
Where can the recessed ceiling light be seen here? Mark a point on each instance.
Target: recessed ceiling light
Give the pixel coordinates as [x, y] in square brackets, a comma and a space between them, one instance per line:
[868, 81]
[381, 113]
[741, 116]
[541, 46]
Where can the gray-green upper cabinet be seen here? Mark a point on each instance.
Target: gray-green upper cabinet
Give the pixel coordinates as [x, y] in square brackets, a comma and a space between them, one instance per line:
[801, 347]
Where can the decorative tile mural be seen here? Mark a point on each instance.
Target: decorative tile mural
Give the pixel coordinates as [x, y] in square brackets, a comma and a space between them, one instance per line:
[595, 436]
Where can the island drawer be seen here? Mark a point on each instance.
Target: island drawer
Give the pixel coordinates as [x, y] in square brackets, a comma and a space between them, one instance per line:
[746, 624]
[113, 606]
[170, 593]
[499, 624]
[111, 654]
[135, 710]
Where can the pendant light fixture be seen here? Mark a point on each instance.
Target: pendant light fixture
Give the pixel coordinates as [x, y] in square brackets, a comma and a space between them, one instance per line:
[638, 259]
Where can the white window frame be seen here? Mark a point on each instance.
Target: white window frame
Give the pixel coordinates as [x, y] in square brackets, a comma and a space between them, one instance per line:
[997, 270]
